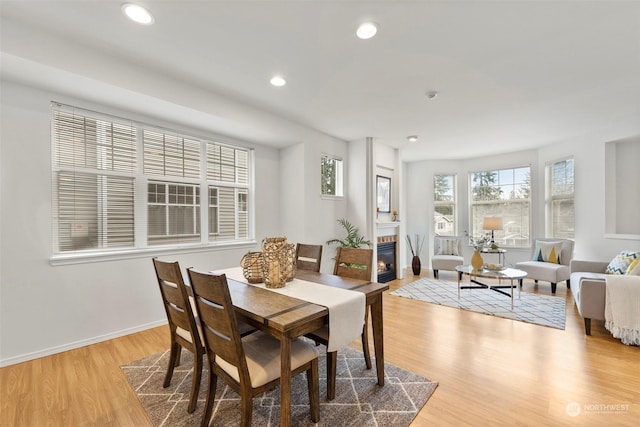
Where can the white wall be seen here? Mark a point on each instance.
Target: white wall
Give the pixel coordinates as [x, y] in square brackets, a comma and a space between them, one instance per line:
[307, 216]
[589, 163]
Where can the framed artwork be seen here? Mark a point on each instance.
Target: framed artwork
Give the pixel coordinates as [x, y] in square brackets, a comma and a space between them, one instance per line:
[383, 194]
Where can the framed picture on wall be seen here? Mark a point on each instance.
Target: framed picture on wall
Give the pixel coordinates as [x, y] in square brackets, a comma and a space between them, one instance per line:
[383, 194]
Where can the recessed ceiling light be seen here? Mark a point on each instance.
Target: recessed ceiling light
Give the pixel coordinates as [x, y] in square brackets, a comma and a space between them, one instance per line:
[367, 30]
[432, 94]
[412, 138]
[278, 81]
[137, 14]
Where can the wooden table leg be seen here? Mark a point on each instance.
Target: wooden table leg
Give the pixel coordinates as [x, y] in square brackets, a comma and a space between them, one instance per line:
[285, 381]
[378, 337]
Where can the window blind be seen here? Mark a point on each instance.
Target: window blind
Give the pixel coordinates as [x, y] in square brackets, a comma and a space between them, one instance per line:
[94, 161]
[170, 155]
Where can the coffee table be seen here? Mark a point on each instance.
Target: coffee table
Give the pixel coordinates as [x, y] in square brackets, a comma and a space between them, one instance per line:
[509, 274]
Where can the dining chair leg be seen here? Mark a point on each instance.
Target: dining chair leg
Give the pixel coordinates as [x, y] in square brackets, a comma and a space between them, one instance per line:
[211, 395]
[195, 382]
[314, 390]
[246, 405]
[173, 356]
[365, 339]
[332, 362]
[178, 354]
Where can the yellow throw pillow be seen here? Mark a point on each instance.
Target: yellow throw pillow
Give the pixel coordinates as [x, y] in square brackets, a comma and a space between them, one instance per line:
[620, 264]
[634, 268]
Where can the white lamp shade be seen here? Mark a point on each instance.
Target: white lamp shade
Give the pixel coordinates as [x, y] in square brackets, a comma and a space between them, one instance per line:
[492, 223]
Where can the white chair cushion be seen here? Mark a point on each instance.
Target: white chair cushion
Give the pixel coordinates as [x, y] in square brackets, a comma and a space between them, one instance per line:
[263, 358]
[549, 272]
[446, 262]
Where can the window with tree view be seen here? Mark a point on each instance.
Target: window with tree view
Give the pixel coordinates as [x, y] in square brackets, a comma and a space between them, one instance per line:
[331, 181]
[444, 201]
[504, 193]
[559, 200]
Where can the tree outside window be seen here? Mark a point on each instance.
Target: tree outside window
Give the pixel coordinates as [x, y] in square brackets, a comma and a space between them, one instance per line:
[331, 176]
[444, 201]
[503, 193]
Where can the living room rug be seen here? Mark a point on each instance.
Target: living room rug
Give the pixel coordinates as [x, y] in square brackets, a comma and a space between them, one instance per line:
[359, 400]
[531, 308]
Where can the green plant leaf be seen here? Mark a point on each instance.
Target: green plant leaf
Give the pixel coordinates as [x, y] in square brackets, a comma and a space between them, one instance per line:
[353, 239]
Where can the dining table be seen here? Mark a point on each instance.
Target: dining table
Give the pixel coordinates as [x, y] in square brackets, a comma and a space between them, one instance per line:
[287, 318]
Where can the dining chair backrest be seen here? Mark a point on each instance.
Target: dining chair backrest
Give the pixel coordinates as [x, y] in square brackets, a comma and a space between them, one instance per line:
[176, 301]
[218, 320]
[354, 263]
[308, 257]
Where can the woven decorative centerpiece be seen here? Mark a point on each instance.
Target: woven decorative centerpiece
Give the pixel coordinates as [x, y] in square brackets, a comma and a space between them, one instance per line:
[251, 264]
[278, 261]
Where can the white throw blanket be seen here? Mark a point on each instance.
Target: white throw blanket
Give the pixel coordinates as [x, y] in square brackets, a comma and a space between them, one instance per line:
[346, 308]
[622, 308]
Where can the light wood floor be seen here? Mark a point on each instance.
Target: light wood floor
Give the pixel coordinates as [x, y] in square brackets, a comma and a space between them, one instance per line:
[491, 371]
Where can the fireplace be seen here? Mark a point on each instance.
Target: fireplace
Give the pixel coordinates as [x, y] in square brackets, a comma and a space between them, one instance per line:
[386, 264]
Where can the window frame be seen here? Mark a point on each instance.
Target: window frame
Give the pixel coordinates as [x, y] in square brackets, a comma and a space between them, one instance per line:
[142, 246]
[338, 178]
[453, 203]
[550, 198]
[504, 201]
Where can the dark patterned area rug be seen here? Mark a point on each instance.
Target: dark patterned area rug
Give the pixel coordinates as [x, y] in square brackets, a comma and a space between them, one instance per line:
[359, 400]
[531, 308]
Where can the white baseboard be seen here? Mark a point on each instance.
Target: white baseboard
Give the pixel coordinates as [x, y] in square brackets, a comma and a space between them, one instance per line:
[78, 344]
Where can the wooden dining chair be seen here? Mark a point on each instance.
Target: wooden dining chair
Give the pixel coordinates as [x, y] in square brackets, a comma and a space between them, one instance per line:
[355, 263]
[182, 324]
[249, 365]
[308, 257]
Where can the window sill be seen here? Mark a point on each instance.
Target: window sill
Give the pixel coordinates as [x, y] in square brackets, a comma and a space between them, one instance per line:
[92, 257]
[330, 197]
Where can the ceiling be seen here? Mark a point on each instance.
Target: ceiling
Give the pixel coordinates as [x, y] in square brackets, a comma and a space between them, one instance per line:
[510, 76]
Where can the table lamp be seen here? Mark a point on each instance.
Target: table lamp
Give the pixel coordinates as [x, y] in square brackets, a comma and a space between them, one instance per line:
[492, 223]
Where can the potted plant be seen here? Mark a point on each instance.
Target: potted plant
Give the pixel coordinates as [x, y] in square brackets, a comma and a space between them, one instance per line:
[353, 239]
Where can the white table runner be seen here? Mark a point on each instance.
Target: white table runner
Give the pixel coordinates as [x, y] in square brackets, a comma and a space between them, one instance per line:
[346, 308]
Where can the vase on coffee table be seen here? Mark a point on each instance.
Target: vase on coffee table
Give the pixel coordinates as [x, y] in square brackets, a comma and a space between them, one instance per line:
[476, 260]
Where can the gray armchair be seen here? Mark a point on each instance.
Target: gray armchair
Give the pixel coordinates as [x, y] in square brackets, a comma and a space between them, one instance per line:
[548, 271]
[447, 252]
